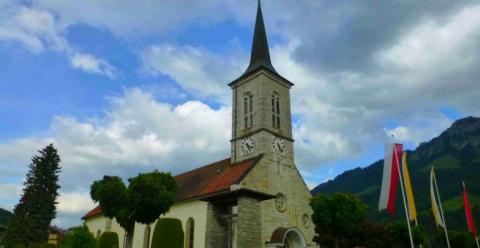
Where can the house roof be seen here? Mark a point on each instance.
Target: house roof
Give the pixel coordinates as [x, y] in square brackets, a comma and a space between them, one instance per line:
[205, 181]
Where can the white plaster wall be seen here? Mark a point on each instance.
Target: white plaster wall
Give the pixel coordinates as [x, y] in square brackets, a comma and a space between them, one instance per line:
[98, 223]
[182, 211]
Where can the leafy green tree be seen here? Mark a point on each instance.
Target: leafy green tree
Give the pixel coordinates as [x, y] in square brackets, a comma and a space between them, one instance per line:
[151, 195]
[78, 237]
[369, 235]
[147, 197]
[108, 240]
[336, 217]
[33, 214]
[399, 237]
[168, 233]
[458, 239]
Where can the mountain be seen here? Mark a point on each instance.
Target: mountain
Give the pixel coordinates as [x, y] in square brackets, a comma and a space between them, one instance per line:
[455, 153]
[5, 217]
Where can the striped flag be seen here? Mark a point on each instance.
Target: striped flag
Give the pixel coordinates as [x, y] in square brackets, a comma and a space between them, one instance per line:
[435, 207]
[468, 212]
[412, 211]
[390, 180]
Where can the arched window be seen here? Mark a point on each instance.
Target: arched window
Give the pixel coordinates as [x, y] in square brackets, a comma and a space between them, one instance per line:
[190, 233]
[275, 110]
[248, 110]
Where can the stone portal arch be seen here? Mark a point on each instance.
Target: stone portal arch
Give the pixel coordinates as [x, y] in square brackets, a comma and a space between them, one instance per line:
[287, 238]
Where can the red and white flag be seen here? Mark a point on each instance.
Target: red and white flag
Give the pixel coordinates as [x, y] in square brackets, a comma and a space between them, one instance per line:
[391, 165]
[468, 212]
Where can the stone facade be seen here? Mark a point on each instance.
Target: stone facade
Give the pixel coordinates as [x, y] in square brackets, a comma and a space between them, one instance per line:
[249, 220]
[276, 173]
[216, 234]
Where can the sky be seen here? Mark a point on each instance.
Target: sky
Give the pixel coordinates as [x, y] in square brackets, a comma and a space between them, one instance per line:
[123, 87]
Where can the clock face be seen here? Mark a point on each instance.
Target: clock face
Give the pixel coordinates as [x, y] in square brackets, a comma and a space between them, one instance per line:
[278, 145]
[247, 146]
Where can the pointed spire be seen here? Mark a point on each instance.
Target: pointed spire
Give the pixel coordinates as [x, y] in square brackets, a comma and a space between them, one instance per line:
[260, 56]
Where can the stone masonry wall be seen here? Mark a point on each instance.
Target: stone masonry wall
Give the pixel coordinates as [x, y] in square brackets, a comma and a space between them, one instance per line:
[216, 232]
[249, 223]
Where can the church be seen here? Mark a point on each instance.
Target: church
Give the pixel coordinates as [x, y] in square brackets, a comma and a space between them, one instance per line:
[256, 198]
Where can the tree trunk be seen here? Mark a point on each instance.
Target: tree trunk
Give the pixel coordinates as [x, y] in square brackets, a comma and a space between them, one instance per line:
[128, 238]
[336, 243]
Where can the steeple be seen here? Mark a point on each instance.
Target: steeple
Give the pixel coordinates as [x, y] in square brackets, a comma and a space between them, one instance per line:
[260, 56]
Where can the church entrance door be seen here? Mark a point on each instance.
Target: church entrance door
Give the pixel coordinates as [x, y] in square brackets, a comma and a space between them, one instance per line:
[294, 239]
[287, 238]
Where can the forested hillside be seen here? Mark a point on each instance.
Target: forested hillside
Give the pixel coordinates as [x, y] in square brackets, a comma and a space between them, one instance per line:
[456, 157]
[5, 217]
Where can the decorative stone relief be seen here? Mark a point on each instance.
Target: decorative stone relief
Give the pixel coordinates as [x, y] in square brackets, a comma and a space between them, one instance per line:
[281, 202]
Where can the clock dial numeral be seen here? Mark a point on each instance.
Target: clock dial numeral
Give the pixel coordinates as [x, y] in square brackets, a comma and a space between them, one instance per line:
[278, 145]
[247, 145]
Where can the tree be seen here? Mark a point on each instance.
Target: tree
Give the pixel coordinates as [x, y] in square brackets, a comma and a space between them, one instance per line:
[370, 235]
[79, 237]
[336, 217]
[399, 237]
[33, 214]
[147, 197]
[151, 195]
[168, 233]
[458, 239]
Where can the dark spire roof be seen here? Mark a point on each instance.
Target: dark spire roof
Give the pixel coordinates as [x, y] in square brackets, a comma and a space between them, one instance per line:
[260, 57]
[260, 54]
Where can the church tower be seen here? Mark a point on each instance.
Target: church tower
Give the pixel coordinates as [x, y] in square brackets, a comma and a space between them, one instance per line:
[261, 121]
[262, 128]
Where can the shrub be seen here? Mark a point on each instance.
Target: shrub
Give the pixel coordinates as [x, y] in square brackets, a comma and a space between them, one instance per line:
[79, 237]
[108, 240]
[47, 245]
[168, 233]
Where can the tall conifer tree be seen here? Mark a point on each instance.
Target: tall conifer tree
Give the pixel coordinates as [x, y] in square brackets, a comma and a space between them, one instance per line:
[32, 215]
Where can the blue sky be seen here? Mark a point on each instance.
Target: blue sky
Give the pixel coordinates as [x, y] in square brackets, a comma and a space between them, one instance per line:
[143, 85]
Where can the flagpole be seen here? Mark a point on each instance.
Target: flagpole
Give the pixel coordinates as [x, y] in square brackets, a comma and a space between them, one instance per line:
[403, 195]
[441, 208]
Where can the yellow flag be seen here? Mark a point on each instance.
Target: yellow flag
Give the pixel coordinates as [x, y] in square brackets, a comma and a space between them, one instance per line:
[408, 188]
[436, 213]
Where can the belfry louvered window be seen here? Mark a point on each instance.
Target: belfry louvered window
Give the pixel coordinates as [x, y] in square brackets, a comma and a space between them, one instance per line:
[275, 110]
[248, 110]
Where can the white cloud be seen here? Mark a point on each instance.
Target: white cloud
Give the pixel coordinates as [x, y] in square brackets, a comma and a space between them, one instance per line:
[137, 134]
[38, 30]
[9, 191]
[197, 70]
[74, 203]
[145, 17]
[90, 64]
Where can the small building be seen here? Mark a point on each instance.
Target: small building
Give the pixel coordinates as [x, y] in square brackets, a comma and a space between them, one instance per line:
[55, 235]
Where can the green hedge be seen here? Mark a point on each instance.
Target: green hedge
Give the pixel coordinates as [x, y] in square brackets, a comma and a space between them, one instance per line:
[47, 245]
[168, 233]
[108, 240]
[78, 237]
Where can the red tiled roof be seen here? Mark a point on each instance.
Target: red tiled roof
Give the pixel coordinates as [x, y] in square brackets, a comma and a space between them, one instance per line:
[94, 212]
[205, 180]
